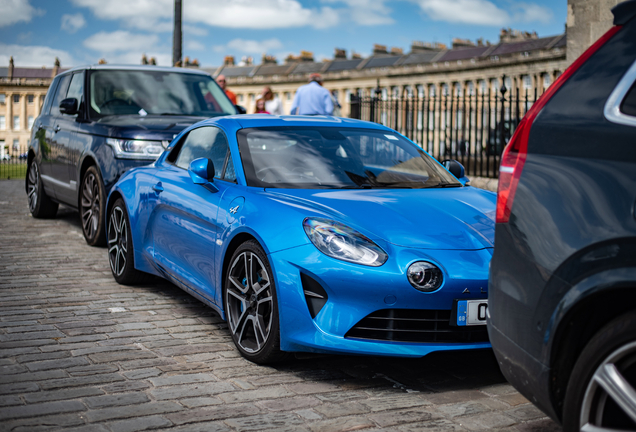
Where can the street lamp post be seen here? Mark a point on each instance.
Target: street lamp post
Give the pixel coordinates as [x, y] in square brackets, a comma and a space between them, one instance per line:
[176, 37]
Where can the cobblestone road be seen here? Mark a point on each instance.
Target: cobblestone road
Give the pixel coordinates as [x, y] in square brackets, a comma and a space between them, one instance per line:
[80, 352]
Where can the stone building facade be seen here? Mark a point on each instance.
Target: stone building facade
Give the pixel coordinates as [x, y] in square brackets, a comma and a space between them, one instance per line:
[527, 61]
[22, 92]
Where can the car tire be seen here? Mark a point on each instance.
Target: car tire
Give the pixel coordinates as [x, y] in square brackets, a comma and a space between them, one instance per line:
[251, 306]
[120, 247]
[608, 361]
[92, 201]
[40, 205]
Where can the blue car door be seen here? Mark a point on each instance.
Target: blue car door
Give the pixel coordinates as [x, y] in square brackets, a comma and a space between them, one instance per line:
[184, 224]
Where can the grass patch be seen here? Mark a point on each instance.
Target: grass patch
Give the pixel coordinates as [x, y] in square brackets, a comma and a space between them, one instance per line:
[13, 170]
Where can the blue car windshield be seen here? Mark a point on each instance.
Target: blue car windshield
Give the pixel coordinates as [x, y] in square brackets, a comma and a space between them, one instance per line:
[336, 158]
[147, 92]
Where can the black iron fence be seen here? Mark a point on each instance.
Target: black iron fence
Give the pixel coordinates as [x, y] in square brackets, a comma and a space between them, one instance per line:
[472, 129]
[12, 163]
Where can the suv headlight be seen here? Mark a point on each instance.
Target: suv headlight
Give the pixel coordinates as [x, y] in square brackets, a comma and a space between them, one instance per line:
[341, 242]
[136, 149]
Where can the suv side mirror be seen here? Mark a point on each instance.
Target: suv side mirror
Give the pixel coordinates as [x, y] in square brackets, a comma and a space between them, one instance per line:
[456, 169]
[240, 109]
[69, 106]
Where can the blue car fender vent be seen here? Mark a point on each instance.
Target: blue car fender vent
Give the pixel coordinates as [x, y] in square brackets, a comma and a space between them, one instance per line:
[315, 294]
[415, 325]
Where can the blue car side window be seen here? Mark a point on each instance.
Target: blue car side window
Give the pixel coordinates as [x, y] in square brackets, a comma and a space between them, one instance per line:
[204, 142]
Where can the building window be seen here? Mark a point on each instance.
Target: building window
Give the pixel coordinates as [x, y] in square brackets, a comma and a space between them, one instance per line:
[431, 90]
[445, 90]
[240, 98]
[252, 98]
[527, 82]
[16, 122]
[16, 144]
[30, 120]
[16, 98]
[30, 99]
[3, 98]
[495, 85]
[471, 88]
[546, 81]
[3, 123]
[287, 96]
[482, 86]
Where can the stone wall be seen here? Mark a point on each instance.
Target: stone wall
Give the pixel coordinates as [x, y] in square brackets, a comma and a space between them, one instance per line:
[587, 21]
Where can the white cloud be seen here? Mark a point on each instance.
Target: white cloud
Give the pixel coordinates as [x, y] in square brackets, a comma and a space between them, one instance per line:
[157, 15]
[14, 11]
[194, 46]
[483, 12]
[528, 12]
[366, 12]
[34, 56]
[249, 46]
[480, 12]
[120, 40]
[72, 23]
[194, 30]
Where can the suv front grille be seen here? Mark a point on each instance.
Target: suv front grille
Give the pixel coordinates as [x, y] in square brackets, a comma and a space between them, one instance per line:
[413, 325]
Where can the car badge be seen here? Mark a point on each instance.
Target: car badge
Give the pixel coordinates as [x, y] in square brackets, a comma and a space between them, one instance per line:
[466, 291]
[233, 210]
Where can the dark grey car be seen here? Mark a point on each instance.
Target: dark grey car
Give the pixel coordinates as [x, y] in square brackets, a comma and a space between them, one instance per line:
[562, 288]
[99, 121]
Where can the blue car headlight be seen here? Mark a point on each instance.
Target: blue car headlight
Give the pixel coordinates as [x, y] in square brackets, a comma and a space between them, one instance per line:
[341, 242]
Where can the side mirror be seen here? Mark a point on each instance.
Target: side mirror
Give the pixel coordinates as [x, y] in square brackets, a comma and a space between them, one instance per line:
[69, 106]
[457, 170]
[201, 171]
[240, 109]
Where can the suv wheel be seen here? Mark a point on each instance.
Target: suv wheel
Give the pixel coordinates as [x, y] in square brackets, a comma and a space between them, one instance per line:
[92, 202]
[601, 392]
[40, 205]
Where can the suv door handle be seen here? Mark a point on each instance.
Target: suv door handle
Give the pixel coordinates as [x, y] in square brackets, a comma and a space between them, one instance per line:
[158, 188]
[57, 128]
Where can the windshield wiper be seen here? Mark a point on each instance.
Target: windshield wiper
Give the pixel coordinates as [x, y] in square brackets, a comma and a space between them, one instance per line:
[445, 185]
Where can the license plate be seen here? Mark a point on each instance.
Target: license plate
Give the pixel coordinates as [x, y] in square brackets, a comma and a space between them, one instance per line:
[471, 312]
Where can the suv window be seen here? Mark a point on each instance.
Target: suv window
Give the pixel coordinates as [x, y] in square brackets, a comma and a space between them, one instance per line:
[204, 142]
[629, 103]
[62, 89]
[76, 89]
[133, 92]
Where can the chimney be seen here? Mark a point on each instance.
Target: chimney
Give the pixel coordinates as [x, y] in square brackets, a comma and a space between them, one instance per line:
[462, 43]
[340, 54]
[10, 75]
[144, 59]
[268, 59]
[397, 51]
[153, 61]
[56, 67]
[102, 61]
[379, 49]
[306, 56]
[355, 56]
[228, 61]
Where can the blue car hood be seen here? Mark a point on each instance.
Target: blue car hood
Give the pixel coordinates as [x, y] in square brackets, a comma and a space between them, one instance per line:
[457, 218]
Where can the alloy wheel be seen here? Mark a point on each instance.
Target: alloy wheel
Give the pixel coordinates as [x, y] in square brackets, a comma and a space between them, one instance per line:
[90, 204]
[609, 403]
[33, 186]
[249, 302]
[117, 240]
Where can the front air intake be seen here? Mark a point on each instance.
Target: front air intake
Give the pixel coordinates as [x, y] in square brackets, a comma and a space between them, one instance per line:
[315, 294]
[413, 325]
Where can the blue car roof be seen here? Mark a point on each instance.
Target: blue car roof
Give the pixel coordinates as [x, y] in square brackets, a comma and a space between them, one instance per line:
[264, 120]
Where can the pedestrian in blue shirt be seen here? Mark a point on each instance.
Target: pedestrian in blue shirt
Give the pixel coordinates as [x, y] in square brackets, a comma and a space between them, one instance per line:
[312, 98]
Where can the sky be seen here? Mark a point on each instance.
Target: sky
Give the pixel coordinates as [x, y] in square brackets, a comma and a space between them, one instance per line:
[81, 32]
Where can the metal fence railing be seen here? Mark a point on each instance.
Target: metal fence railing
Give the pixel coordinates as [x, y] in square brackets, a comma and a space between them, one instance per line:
[13, 164]
[473, 129]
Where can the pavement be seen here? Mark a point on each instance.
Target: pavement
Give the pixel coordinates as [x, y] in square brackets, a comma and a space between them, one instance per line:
[78, 352]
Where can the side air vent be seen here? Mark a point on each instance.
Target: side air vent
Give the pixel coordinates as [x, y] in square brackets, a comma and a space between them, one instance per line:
[412, 325]
[315, 295]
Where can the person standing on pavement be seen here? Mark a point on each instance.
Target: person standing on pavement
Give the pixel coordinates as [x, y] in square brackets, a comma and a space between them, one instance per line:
[221, 81]
[273, 105]
[312, 98]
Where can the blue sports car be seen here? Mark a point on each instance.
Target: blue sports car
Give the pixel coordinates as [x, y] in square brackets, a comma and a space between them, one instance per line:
[316, 234]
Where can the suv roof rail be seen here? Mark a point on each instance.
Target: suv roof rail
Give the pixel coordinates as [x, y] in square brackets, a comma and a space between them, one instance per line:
[623, 12]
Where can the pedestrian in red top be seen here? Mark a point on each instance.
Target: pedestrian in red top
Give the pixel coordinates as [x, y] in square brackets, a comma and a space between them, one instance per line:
[221, 81]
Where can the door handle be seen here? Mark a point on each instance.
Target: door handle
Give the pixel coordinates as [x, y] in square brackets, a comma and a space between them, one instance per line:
[57, 128]
[158, 188]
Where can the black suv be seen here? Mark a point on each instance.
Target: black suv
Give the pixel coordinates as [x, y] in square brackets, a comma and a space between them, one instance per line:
[99, 121]
[562, 288]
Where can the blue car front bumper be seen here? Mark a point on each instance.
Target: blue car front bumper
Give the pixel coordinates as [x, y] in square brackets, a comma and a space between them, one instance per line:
[355, 292]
